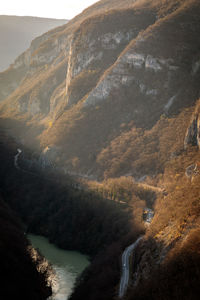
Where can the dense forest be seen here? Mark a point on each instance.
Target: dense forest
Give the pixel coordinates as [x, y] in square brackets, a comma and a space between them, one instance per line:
[101, 219]
[72, 216]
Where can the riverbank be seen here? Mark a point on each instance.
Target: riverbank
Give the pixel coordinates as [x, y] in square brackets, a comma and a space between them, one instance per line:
[66, 265]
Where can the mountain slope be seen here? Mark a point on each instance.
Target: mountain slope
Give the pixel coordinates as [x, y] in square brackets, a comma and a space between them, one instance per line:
[115, 92]
[16, 34]
[108, 69]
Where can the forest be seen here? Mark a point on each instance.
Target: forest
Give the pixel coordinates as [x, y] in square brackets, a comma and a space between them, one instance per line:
[101, 219]
[72, 217]
[105, 110]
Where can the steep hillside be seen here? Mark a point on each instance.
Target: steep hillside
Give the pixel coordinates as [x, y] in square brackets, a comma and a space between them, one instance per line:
[106, 77]
[68, 213]
[16, 34]
[167, 261]
[114, 96]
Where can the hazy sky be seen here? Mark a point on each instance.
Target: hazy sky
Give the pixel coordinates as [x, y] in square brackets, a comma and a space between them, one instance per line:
[60, 9]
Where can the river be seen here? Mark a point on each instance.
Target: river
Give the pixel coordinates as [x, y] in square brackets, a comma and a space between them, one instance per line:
[67, 265]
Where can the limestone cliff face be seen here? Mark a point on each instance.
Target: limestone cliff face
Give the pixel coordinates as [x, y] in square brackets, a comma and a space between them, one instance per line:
[113, 65]
[94, 50]
[153, 74]
[192, 136]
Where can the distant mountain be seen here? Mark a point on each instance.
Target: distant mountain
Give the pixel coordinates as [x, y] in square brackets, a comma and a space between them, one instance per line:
[16, 33]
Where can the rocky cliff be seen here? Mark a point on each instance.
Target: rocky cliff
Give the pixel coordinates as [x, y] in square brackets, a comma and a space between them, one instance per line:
[115, 93]
[114, 69]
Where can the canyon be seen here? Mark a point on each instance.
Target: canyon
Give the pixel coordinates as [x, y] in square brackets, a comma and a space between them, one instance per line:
[104, 112]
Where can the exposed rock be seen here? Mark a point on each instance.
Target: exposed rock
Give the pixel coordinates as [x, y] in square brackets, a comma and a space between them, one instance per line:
[192, 136]
[136, 60]
[191, 170]
[111, 41]
[35, 106]
[124, 72]
[142, 88]
[127, 60]
[195, 67]
[152, 92]
[93, 53]
[152, 63]
[169, 103]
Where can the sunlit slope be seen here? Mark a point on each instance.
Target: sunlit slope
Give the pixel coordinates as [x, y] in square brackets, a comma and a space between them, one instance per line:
[111, 75]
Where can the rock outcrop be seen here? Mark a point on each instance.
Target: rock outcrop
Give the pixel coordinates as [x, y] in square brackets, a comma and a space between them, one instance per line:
[112, 66]
[192, 136]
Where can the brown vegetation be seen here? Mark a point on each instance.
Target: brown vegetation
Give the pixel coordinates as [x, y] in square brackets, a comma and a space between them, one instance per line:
[177, 278]
[145, 152]
[172, 240]
[131, 133]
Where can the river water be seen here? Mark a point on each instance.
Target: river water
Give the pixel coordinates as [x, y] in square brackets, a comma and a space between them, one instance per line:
[66, 264]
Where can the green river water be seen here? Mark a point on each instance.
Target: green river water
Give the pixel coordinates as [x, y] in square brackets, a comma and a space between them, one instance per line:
[67, 265]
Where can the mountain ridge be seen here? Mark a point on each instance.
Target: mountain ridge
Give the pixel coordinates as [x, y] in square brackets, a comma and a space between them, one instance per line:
[17, 32]
[88, 81]
[112, 100]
